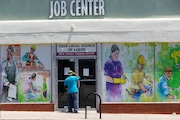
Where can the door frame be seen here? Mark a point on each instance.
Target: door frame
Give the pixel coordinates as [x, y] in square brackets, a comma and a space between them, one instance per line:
[76, 67]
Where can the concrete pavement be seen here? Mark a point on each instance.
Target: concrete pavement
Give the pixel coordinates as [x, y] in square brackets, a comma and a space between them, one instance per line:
[91, 115]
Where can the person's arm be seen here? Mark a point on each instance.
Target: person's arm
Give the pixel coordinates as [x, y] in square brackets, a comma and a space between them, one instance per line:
[38, 61]
[137, 80]
[170, 96]
[116, 80]
[141, 86]
[4, 74]
[107, 68]
[31, 87]
[109, 79]
[166, 91]
[66, 88]
[76, 74]
[25, 57]
[148, 79]
[120, 80]
[17, 74]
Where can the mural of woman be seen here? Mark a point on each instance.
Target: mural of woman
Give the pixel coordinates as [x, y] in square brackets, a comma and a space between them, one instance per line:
[10, 76]
[30, 90]
[114, 75]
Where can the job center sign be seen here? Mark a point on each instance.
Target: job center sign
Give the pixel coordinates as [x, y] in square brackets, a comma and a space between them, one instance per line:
[76, 8]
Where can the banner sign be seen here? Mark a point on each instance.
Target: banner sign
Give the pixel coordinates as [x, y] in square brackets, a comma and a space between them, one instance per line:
[76, 50]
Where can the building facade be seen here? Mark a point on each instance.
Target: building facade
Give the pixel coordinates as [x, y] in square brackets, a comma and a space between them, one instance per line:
[105, 42]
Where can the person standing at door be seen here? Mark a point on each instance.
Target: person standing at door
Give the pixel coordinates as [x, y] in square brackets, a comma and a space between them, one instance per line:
[115, 77]
[71, 85]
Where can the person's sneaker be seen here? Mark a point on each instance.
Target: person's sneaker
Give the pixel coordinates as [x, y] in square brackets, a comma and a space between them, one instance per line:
[75, 111]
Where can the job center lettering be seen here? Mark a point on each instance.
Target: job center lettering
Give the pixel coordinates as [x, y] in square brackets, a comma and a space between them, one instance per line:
[77, 8]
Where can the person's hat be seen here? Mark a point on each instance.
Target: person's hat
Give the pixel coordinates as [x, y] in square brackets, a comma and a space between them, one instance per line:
[70, 72]
[33, 47]
[168, 69]
[141, 60]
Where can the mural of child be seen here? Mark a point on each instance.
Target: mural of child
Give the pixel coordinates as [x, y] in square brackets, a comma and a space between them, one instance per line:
[114, 75]
[44, 88]
[162, 86]
[137, 87]
[30, 89]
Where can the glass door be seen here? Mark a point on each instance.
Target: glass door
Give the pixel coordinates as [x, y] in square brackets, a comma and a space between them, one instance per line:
[87, 73]
[63, 66]
[87, 84]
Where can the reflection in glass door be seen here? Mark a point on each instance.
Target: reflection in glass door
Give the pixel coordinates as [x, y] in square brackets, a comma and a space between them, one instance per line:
[87, 73]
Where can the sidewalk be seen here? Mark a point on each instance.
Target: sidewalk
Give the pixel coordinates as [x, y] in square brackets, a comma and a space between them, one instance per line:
[91, 115]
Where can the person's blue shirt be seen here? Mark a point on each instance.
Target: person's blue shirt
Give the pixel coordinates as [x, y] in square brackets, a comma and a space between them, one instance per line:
[162, 87]
[71, 83]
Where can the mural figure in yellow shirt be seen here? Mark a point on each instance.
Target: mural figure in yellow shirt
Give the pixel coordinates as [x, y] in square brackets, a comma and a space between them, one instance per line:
[138, 76]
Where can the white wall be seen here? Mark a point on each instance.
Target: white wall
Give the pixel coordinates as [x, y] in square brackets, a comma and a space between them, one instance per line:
[90, 31]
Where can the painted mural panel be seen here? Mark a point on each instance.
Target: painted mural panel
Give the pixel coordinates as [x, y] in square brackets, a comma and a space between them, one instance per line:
[25, 73]
[34, 86]
[128, 72]
[167, 72]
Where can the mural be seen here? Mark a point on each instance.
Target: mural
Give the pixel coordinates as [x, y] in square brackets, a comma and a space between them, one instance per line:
[24, 77]
[34, 86]
[31, 60]
[128, 72]
[167, 72]
[10, 73]
[141, 72]
[131, 72]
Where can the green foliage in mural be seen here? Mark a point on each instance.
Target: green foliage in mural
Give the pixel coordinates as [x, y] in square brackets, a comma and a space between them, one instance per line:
[157, 57]
[168, 55]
